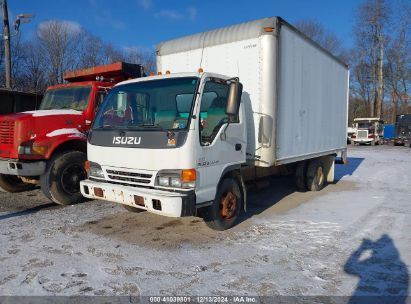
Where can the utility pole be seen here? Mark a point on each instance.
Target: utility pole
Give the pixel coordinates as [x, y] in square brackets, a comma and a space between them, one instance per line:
[6, 35]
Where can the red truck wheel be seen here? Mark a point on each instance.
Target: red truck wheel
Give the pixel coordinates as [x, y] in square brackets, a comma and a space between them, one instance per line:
[61, 182]
[13, 184]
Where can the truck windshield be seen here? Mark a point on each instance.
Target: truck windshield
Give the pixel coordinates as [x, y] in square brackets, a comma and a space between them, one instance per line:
[74, 98]
[364, 125]
[404, 119]
[156, 104]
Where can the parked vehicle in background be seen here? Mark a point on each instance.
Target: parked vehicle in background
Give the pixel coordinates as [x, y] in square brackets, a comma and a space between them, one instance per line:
[389, 132]
[368, 131]
[402, 130]
[219, 117]
[350, 132]
[14, 101]
[48, 146]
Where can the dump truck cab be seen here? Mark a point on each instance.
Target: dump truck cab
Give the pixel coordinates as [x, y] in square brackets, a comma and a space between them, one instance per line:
[48, 146]
[368, 131]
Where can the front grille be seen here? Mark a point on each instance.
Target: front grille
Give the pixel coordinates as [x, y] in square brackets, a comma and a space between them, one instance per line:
[7, 132]
[133, 177]
[362, 134]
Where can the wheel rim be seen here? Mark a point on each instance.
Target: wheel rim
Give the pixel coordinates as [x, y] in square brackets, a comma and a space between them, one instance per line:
[71, 177]
[320, 175]
[228, 205]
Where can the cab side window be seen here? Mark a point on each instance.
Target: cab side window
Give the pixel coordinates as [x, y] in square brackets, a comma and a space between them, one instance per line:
[212, 110]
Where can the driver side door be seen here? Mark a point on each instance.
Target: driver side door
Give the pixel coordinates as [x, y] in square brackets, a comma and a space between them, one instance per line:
[222, 142]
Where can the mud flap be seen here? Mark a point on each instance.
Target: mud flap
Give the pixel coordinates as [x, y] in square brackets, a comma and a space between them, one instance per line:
[328, 163]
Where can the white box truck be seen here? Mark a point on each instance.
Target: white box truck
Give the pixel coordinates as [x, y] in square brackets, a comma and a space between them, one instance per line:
[228, 106]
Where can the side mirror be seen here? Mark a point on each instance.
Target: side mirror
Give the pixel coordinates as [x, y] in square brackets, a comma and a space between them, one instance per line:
[234, 98]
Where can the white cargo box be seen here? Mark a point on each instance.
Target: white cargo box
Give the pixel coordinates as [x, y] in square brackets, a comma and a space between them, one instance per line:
[295, 93]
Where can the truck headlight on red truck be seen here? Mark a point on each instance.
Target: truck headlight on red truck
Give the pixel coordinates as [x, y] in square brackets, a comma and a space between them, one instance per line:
[29, 148]
[185, 178]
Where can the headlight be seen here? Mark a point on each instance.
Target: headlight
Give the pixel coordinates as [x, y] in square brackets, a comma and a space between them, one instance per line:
[185, 178]
[175, 182]
[30, 148]
[95, 170]
[24, 150]
[164, 181]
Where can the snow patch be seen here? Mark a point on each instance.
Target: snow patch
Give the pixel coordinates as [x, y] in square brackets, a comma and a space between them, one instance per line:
[39, 113]
[65, 131]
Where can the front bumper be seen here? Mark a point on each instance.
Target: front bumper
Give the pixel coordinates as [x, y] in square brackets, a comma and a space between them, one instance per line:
[22, 168]
[400, 141]
[362, 140]
[162, 202]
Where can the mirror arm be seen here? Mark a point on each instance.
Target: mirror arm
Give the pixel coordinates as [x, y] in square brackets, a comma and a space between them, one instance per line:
[223, 135]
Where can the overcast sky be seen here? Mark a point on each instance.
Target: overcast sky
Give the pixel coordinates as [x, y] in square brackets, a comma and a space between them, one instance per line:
[145, 23]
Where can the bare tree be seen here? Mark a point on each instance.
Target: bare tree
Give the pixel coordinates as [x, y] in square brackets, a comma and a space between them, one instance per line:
[60, 41]
[92, 51]
[34, 67]
[398, 67]
[372, 21]
[140, 56]
[112, 54]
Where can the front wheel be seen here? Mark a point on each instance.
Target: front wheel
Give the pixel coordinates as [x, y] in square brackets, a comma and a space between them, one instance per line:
[61, 182]
[13, 184]
[226, 208]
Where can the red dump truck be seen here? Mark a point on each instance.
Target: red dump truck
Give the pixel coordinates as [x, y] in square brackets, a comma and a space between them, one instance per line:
[49, 146]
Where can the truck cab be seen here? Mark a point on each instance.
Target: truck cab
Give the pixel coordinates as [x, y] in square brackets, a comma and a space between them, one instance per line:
[402, 130]
[48, 146]
[368, 131]
[179, 125]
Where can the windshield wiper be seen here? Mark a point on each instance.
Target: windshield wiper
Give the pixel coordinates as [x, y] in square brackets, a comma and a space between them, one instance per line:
[152, 126]
[104, 127]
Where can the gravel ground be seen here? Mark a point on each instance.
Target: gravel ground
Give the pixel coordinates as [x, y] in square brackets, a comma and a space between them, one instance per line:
[351, 238]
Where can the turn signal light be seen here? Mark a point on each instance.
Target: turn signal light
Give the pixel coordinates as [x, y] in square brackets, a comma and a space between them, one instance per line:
[268, 29]
[200, 70]
[87, 165]
[39, 150]
[188, 175]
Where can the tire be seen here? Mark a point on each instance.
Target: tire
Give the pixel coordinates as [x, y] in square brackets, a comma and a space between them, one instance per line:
[315, 178]
[300, 173]
[133, 209]
[225, 210]
[61, 181]
[13, 184]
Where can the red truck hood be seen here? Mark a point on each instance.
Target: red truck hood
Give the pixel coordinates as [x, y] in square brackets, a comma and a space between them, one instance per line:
[36, 125]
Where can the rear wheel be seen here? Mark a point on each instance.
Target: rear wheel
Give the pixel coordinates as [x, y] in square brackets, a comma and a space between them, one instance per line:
[61, 182]
[225, 210]
[133, 209]
[300, 173]
[13, 184]
[315, 178]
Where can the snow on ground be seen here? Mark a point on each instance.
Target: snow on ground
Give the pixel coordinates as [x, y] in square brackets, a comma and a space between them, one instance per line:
[351, 238]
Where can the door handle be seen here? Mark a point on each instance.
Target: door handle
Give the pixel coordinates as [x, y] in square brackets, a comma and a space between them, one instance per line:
[237, 147]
